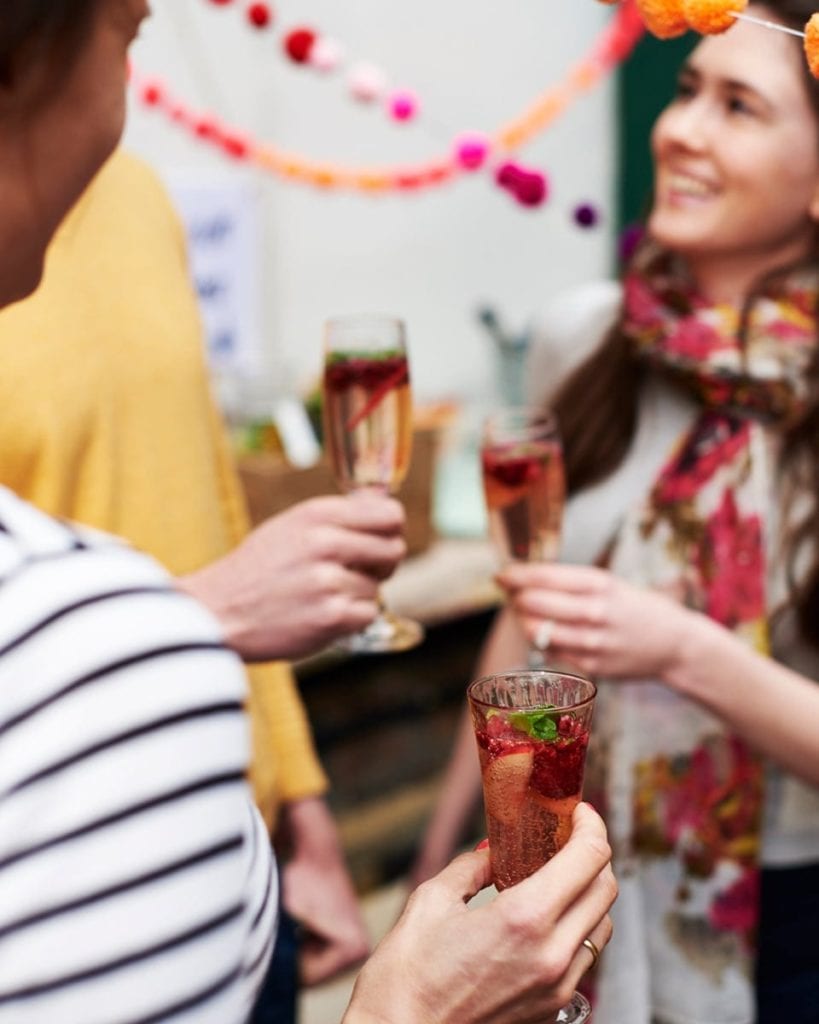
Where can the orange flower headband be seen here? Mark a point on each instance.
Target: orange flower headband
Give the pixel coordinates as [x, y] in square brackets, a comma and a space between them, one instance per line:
[668, 18]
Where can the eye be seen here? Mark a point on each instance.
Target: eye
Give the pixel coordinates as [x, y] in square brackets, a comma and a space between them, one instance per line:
[685, 90]
[738, 105]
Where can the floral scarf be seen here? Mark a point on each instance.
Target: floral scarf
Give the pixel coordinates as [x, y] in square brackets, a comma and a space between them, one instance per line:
[683, 795]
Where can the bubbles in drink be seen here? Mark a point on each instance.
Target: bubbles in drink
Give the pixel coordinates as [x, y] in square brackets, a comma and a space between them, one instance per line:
[531, 786]
[367, 418]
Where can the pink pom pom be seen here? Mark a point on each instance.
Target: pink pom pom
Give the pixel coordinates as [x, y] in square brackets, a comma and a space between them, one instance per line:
[367, 82]
[402, 105]
[326, 54]
[530, 188]
[471, 151]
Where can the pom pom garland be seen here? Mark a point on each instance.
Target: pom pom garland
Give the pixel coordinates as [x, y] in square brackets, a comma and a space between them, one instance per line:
[259, 15]
[367, 83]
[663, 18]
[298, 43]
[471, 151]
[812, 44]
[710, 17]
[326, 54]
[402, 105]
[468, 151]
[586, 216]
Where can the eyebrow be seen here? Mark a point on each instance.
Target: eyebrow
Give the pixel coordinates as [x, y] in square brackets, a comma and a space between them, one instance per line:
[730, 85]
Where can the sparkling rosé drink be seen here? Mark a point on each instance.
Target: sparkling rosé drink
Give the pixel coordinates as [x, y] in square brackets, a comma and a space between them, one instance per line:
[368, 418]
[524, 484]
[532, 731]
[368, 435]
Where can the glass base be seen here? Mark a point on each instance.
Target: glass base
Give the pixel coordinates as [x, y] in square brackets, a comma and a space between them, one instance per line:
[575, 1011]
[387, 632]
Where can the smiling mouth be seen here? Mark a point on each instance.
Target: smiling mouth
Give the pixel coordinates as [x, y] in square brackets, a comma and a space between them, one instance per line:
[682, 186]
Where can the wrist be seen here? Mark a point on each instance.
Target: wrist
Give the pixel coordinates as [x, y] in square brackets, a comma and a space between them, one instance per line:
[696, 647]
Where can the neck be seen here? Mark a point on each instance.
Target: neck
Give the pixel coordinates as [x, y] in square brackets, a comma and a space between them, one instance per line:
[729, 279]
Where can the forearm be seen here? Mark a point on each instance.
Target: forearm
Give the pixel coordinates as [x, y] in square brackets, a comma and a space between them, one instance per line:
[774, 709]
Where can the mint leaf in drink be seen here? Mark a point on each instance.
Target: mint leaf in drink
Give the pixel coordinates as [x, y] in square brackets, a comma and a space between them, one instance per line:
[539, 723]
[370, 356]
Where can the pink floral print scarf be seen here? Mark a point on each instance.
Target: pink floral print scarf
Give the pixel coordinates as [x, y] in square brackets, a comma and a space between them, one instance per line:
[683, 796]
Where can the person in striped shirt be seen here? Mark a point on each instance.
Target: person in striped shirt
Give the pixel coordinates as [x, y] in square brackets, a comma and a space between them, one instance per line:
[136, 882]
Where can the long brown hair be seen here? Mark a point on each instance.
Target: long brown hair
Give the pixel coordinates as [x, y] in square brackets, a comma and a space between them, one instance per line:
[597, 407]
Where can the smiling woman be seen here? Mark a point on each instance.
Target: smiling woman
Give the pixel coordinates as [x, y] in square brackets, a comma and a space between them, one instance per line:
[690, 450]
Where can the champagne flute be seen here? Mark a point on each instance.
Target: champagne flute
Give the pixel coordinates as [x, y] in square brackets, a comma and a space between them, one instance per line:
[525, 487]
[368, 434]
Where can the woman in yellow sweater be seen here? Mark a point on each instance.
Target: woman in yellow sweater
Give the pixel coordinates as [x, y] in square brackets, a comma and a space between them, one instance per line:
[108, 420]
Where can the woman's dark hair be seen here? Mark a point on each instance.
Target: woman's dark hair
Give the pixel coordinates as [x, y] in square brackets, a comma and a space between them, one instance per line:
[41, 28]
[597, 407]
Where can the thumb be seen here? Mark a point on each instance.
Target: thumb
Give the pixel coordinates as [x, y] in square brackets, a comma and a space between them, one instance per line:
[466, 875]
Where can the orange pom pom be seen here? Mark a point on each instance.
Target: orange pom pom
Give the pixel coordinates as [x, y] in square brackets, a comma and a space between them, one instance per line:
[663, 18]
[812, 44]
[710, 17]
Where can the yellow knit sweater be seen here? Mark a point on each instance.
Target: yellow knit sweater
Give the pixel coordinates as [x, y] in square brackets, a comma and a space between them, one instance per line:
[107, 418]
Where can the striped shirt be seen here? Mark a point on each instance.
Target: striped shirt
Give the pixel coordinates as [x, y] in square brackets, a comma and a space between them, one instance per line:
[136, 881]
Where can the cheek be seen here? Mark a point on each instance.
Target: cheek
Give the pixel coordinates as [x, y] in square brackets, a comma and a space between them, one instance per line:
[784, 184]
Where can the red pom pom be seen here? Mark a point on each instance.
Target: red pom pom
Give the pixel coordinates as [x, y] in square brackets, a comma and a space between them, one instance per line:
[298, 44]
[152, 94]
[259, 15]
[235, 146]
[206, 128]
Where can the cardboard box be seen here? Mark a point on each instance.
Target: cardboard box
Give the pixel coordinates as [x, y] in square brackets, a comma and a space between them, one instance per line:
[271, 485]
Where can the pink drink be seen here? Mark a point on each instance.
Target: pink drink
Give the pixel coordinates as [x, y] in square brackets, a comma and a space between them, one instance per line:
[532, 760]
[525, 492]
[367, 418]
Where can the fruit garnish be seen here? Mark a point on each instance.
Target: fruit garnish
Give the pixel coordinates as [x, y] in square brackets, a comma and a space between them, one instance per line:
[540, 723]
[505, 781]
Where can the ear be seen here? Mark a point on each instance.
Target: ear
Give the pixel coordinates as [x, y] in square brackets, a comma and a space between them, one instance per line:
[813, 206]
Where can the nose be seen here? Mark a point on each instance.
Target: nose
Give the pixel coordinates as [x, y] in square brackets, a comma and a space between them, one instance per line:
[685, 125]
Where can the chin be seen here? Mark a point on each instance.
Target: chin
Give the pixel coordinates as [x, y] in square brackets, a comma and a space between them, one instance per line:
[19, 281]
[677, 233]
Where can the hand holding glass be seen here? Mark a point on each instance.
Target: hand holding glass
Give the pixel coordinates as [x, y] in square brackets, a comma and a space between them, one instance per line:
[532, 731]
[368, 433]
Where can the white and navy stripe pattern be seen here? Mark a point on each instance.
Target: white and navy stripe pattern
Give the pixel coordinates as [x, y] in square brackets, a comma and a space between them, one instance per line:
[136, 881]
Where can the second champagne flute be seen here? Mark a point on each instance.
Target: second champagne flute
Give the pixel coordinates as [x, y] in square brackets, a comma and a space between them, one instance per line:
[368, 434]
[525, 487]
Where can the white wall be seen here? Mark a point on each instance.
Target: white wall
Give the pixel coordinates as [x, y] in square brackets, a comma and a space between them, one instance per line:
[431, 257]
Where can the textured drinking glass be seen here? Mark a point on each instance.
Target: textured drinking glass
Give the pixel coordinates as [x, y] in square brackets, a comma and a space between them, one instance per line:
[368, 434]
[532, 731]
